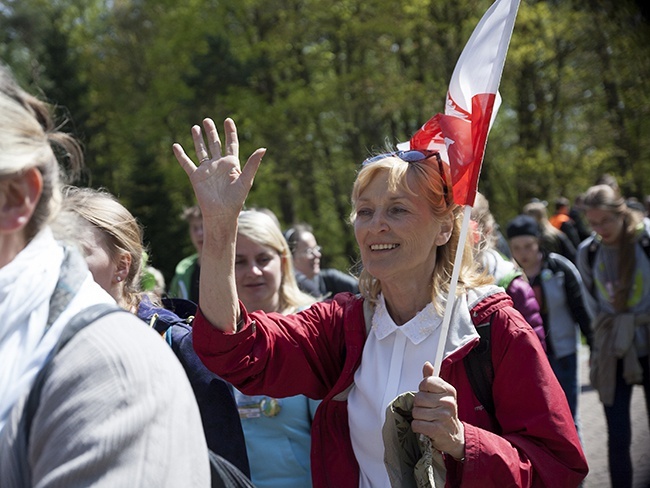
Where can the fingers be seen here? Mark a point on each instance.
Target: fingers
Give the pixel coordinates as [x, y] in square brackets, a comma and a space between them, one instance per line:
[432, 383]
[248, 173]
[216, 151]
[446, 435]
[252, 165]
[431, 406]
[230, 151]
[434, 393]
[211, 133]
[427, 369]
[232, 141]
[435, 413]
[183, 159]
[199, 145]
[436, 416]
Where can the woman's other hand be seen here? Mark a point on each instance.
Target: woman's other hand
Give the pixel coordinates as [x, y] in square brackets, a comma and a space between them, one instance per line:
[435, 414]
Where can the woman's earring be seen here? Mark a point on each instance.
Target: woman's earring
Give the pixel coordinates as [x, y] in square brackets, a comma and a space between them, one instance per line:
[118, 279]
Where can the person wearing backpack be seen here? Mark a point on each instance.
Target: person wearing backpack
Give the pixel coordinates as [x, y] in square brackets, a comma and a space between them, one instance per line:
[103, 403]
[615, 265]
[407, 228]
[559, 290]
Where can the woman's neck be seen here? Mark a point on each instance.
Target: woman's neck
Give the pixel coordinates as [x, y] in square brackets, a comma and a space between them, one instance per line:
[404, 303]
[10, 246]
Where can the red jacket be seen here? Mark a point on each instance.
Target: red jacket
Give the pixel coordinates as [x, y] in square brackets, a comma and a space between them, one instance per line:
[317, 351]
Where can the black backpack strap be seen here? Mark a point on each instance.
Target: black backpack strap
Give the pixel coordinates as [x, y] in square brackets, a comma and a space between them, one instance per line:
[479, 368]
[78, 322]
[591, 252]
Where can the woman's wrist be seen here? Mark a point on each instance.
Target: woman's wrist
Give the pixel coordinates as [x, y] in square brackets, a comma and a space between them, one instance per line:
[458, 452]
[458, 456]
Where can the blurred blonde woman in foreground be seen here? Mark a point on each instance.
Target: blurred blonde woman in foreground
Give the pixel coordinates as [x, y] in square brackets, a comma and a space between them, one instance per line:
[107, 405]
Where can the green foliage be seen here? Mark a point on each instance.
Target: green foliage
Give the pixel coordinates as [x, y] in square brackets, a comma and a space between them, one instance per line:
[322, 84]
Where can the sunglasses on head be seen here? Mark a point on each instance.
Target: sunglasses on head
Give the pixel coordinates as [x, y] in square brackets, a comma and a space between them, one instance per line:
[415, 156]
[410, 156]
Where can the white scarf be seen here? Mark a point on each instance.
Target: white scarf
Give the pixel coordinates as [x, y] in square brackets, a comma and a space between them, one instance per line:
[26, 285]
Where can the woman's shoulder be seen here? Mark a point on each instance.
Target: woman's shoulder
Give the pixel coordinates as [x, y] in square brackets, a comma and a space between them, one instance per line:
[121, 360]
[519, 287]
[117, 385]
[118, 347]
[484, 296]
[341, 316]
[492, 304]
[339, 302]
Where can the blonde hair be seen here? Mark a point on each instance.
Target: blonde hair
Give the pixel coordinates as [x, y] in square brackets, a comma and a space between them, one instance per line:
[260, 228]
[29, 139]
[485, 224]
[538, 211]
[86, 208]
[428, 185]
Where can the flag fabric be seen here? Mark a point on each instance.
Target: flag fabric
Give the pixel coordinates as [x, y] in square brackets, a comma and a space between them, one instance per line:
[460, 134]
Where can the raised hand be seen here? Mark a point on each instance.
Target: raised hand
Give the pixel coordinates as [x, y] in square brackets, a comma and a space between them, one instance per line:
[220, 184]
[435, 414]
[221, 187]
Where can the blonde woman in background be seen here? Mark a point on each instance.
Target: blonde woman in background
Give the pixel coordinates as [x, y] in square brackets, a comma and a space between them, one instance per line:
[110, 239]
[277, 430]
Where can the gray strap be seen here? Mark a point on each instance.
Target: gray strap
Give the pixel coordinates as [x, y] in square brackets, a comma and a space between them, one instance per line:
[72, 275]
[78, 322]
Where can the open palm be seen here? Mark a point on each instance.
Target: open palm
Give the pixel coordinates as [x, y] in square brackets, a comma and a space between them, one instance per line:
[220, 184]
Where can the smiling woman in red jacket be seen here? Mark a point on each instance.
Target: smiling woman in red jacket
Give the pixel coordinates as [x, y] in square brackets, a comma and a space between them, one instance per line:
[359, 352]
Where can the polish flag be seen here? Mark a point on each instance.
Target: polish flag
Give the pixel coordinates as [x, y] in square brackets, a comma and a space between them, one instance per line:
[460, 134]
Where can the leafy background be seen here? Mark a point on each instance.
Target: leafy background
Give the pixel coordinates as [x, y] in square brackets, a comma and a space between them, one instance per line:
[321, 83]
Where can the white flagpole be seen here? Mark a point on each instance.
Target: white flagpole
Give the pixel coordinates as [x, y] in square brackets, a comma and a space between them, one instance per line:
[451, 297]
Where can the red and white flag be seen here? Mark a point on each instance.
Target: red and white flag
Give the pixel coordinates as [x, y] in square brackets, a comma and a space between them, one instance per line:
[460, 134]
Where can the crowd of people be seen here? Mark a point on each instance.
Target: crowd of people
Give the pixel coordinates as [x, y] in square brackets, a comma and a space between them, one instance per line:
[257, 367]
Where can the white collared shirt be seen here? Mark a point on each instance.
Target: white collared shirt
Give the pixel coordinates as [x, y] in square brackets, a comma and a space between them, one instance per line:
[391, 364]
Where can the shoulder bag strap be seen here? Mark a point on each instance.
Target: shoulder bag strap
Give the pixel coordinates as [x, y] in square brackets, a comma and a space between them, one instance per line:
[77, 323]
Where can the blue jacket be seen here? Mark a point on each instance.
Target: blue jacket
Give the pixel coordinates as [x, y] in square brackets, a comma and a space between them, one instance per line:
[278, 439]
